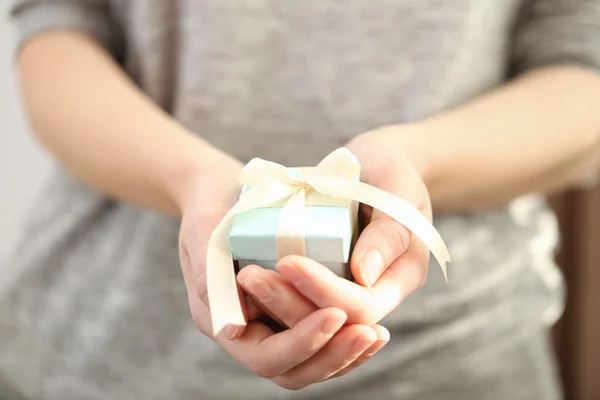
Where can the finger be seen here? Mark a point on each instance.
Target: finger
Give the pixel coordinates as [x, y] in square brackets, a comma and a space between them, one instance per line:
[275, 295]
[362, 305]
[200, 314]
[270, 355]
[341, 351]
[258, 289]
[186, 267]
[322, 287]
[253, 310]
[383, 337]
[233, 332]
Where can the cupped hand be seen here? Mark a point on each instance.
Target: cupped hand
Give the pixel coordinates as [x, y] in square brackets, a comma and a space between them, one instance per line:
[388, 262]
[316, 346]
[350, 347]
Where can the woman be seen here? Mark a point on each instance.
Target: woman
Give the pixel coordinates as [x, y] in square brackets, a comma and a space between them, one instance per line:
[151, 109]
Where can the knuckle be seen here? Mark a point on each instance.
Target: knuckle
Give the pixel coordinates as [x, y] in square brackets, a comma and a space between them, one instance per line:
[397, 237]
[209, 216]
[367, 318]
[366, 356]
[203, 216]
[184, 257]
[199, 319]
[198, 322]
[183, 253]
[201, 289]
[376, 317]
[422, 282]
[264, 370]
[381, 172]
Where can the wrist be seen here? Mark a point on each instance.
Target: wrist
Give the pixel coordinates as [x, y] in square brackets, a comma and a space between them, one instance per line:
[419, 146]
[198, 165]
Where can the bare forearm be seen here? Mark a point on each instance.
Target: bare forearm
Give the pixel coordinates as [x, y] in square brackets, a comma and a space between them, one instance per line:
[86, 111]
[539, 133]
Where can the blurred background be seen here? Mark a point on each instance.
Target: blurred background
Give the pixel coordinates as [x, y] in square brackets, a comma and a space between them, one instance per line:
[577, 335]
[23, 165]
[17, 147]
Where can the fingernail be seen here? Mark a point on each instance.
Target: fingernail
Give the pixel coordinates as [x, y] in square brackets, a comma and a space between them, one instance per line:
[384, 335]
[332, 325]
[364, 342]
[230, 331]
[261, 289]
[242, 278]
[295, 275]
[374, 349]
[371, 266]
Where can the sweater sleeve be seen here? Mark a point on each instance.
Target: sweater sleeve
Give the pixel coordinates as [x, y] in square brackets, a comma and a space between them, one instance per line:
[554, 32]
[93, 17]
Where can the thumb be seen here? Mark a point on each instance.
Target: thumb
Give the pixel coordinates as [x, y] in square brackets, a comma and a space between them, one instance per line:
[384, 239]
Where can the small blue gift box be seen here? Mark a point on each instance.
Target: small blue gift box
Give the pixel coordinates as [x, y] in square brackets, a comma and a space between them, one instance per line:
[330, 230]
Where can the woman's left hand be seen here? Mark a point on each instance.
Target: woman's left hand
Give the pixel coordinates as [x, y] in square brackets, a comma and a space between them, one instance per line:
[388, 262]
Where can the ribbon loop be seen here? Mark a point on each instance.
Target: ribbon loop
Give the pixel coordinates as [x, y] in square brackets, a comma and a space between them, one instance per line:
[259, 170]
[340, 164]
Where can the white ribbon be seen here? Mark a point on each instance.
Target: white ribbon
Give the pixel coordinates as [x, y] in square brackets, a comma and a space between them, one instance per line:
[270, 183]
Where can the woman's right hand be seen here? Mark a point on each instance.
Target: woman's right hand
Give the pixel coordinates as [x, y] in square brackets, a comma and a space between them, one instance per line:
[316, 346]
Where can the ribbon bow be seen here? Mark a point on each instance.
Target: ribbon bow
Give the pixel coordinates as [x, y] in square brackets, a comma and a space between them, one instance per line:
[270, 183]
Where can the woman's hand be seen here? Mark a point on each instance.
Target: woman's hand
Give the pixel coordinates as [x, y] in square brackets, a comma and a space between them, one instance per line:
[316, 346]
[388, 262]
[351, 346]
[206, 196]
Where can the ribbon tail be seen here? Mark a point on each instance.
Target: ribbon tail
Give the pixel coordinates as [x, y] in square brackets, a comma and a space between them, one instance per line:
[223, 298]
[398, 209]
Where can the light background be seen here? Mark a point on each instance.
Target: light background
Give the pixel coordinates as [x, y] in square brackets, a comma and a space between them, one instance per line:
[23, 164]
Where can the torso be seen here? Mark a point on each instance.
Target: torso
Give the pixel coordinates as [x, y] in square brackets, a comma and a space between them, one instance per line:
[94, 302]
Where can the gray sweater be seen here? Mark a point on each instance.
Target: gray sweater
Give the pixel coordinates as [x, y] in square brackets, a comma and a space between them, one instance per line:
[92, 303]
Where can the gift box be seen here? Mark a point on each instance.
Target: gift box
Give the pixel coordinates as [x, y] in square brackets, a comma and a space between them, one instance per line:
[329, 229]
